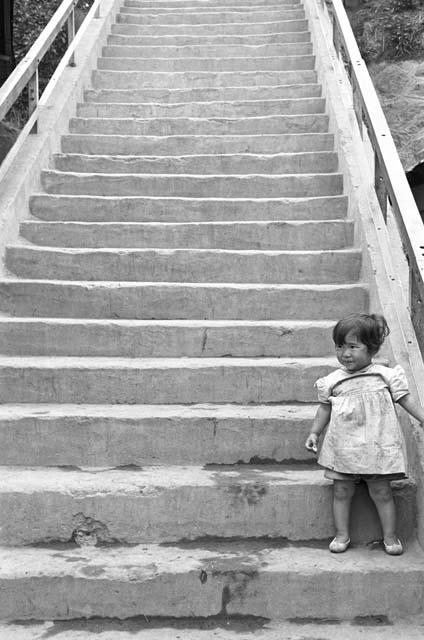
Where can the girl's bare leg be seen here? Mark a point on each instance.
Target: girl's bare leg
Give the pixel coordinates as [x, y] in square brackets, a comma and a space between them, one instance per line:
[342, 500]
[381, 494]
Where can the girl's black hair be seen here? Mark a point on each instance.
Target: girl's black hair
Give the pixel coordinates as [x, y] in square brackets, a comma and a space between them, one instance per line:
[371, 330]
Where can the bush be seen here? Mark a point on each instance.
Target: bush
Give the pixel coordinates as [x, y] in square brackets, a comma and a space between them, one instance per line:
[29, 20]
[390, 29]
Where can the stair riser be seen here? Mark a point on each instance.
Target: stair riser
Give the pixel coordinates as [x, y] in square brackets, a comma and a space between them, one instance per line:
[165, 302]
[210, 30]
[217, 17]
[192, 126]
[136, 511]
[82, 586]
[217, 65]
[220, 51]
[267, 235]
[140, 209]
[165, 97]
[245, 109]
[187, 384]
[159, 340]
[189, 4]
[183, 266]
[104, 441]
[194, 186]
[189, 145]
[192, 80]
[280, 37]
[250, 510]
[224, 164]
[199, 8]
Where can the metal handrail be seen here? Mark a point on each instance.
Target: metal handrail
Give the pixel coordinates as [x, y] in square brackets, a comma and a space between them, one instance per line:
[26, 73]
[389, 176]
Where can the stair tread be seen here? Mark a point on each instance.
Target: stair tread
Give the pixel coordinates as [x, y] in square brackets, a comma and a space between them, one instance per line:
[192, 176]
[46, 411]
[233, 8]
[155, 478]
[165, 251]
[151, 559]
[83, 362]
[223, 119]
[284, 57]
[53, 197]
[316, 134]
[224, 628]
[247, 154]
[176, 91]
[104, 224]
[130, 284]
[207, 579]
[286, 324]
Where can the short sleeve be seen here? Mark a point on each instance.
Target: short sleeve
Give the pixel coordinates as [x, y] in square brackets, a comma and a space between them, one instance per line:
[323, 390]
[398, 384]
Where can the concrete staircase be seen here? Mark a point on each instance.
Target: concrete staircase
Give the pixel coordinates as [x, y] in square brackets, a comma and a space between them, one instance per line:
[169, 307]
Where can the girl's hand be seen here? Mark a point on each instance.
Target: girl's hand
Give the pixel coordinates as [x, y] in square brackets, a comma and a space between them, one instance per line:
[312, 442]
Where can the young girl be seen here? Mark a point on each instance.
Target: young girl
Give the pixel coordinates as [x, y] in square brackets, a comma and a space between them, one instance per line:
[363, 439]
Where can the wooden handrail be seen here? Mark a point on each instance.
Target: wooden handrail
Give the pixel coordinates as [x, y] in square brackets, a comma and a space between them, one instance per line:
[27, 70]
[389, 180]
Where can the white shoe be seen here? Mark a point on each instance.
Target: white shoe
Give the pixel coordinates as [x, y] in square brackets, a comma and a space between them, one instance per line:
[395, 549]
[338, 547]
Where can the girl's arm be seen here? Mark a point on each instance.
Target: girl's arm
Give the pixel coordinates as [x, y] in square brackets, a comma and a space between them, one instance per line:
[322, 418]
[412, 408]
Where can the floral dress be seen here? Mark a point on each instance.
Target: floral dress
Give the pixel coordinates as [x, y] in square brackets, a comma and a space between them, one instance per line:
[364, 435]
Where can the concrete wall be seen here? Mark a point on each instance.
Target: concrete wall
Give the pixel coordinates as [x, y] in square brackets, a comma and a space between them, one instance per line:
[20, 171]
[387, 288]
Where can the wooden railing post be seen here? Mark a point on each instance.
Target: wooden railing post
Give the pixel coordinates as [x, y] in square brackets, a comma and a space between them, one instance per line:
[71, 33]
[357, 106]
[33, 95]
[336, 34]
[416, 308]
[380, 186]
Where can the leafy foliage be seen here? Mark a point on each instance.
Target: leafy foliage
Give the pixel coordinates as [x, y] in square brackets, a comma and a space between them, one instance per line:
[390, 29]
[29, 20]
